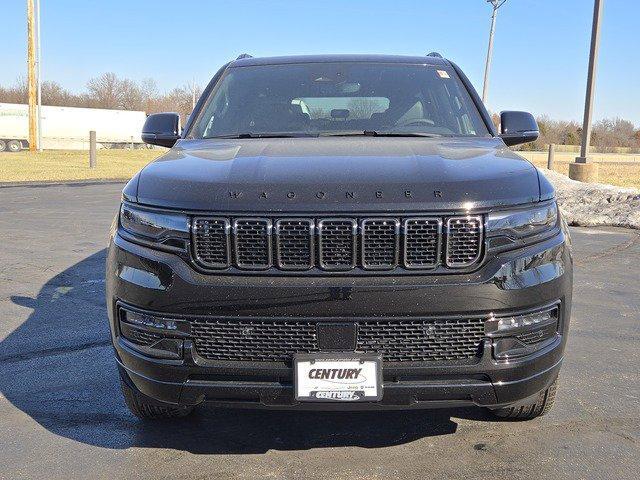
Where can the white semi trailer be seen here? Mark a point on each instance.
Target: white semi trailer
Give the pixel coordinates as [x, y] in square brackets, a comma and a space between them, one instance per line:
[67, 128]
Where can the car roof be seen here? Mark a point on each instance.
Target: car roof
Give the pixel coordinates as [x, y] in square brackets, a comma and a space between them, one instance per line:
[419, 60]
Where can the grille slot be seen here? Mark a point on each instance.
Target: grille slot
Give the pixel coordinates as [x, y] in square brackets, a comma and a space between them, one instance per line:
[422, 238]
[337, 243]
[380, 243]
[294, 244]
[252, 243]
[463, 241]
[211, 241]
[403, 340]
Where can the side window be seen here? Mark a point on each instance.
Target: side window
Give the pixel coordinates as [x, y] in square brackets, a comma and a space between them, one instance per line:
[218, 109]
[214, 110]
[458, 111]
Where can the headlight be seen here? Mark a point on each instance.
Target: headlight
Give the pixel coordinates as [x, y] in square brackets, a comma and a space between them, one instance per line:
[162, 229]
[518, 227]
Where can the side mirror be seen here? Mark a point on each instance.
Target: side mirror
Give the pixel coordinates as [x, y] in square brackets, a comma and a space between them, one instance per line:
[518, 127]
[161, 129]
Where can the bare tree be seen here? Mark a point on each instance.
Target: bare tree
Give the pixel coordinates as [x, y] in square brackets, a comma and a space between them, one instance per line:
[609, 134]
[16, 93]
[362, 108]
[106, 91]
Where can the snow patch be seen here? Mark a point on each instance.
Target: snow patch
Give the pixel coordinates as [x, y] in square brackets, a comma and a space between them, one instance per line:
[594, 204]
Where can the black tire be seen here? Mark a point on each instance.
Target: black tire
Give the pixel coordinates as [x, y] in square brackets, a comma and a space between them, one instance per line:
[14, 145]
[3, 145]
[527, 411]
[146, 409]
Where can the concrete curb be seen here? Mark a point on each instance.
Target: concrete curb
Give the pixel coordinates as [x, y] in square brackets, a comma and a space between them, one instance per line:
[77, 183]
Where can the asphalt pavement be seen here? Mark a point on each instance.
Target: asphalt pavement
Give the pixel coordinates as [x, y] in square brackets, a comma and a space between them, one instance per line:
[62, 416]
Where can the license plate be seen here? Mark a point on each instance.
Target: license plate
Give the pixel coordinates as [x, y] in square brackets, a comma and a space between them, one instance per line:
[337, 378]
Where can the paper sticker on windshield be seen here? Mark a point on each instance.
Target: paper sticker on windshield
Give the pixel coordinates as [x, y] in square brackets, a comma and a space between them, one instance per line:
[443, 74]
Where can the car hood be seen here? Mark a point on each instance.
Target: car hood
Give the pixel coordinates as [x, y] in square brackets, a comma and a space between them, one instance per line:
[337, 174]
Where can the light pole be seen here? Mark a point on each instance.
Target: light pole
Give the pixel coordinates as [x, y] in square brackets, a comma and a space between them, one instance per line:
[591, 80]
[496, 4]
[582, 170]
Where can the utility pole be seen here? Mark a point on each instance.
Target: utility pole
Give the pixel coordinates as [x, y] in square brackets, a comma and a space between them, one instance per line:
[581, 169]
[31, 75]
[485, 87]
[39, 78]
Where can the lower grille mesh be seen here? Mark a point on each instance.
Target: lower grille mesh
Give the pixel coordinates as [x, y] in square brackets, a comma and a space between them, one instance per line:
[402, 340]
[140, 337]
[252, 340]
[418, 340]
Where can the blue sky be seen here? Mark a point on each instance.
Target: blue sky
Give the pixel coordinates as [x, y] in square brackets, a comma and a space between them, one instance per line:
[540, 56]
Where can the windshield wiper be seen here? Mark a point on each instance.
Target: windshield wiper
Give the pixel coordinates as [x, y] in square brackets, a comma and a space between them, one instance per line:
[376, 133]
[264, 135]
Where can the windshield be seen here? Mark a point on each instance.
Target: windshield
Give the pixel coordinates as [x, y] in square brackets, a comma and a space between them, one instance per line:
[313, 99]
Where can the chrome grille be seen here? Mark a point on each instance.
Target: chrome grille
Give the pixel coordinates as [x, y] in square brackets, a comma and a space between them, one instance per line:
[252, 243]
[211, 241]
[337, 244]
[463, 241]
[422, 242]
[380, 243]
[294, 244]
[401, 340]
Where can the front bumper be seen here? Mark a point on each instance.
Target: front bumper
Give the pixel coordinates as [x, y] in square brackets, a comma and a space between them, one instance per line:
[511, 282]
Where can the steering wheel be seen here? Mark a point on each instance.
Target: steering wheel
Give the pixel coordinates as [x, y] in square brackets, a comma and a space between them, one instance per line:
[418, 121]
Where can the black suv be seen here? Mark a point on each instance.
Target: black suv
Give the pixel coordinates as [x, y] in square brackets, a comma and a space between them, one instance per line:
[339, 232]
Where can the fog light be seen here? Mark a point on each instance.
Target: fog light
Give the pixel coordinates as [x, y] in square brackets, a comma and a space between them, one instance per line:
[509, 323]
[520, 335]
[152, 335]
[515, 324]
[145, 320]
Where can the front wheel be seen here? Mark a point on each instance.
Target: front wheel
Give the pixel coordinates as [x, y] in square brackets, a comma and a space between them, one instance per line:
[143, 407]
[527, 411]
[3, 145]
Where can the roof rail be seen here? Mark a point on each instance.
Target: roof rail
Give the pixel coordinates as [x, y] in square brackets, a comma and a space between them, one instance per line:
[244, 55]
[434, 54]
